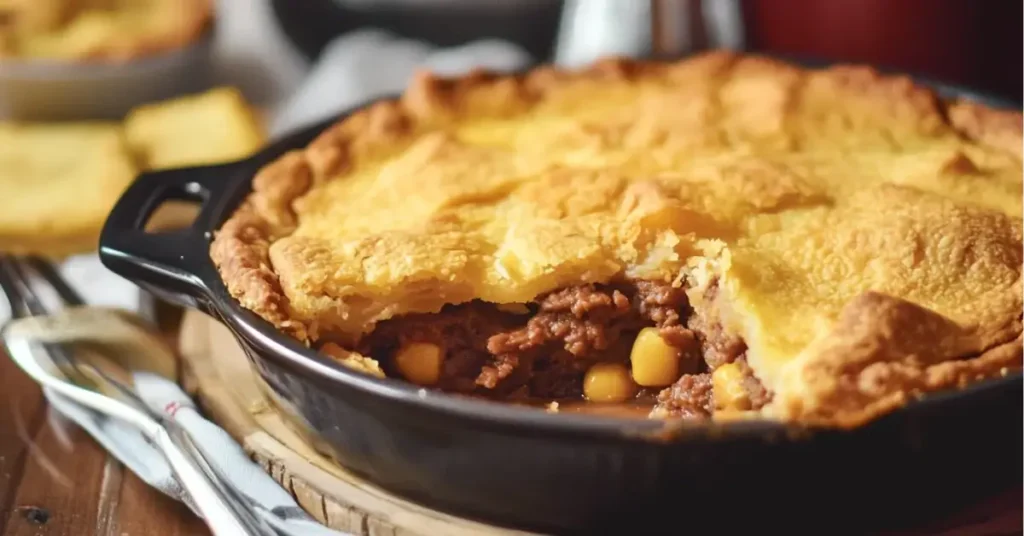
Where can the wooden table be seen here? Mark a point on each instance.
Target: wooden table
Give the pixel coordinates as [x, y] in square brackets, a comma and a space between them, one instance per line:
[56, 481]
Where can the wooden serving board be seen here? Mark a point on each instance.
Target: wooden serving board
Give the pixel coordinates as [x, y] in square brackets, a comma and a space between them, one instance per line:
[218, 373]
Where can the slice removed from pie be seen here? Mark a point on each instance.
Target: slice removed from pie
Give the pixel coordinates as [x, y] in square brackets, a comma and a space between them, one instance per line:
[725, 236]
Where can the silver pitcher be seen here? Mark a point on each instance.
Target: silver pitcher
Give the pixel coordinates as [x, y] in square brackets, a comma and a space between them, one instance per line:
[591, 29]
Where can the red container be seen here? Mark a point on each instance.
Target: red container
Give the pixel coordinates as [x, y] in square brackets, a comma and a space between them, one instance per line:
[970, 42]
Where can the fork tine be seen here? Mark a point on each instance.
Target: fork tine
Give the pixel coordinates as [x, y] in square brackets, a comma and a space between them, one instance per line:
[10, 290]
[17, 278]
[49, 273]
[15, 281]
[23, 289]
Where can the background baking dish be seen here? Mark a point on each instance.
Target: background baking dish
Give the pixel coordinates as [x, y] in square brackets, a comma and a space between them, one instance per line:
[576, 473]
[60, 91]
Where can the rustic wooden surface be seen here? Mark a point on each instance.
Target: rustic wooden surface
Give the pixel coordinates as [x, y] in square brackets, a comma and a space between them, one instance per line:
[334, 496]
[346, 502]
[55, 481]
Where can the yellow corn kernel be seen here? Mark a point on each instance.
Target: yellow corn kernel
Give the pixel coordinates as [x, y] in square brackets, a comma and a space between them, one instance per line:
[655, 363]
[608, 382]
[420, 362]
[727, 386]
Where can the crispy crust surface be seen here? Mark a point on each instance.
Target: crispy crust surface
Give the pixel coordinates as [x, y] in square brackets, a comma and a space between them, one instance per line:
[866, 235]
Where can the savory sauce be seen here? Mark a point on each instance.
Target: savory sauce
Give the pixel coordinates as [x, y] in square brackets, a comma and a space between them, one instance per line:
[636, 409]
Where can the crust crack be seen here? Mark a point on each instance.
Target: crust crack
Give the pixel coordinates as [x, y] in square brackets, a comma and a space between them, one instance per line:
[754, 106]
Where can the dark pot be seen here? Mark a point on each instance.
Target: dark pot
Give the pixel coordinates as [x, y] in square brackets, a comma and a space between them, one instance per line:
[525, 468]
[531, 24]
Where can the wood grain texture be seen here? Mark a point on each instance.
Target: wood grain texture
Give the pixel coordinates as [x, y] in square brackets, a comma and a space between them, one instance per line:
[145, 511]
[20, 415]
[55, 480]
[336, 497]
[60, 485]
[346, 502]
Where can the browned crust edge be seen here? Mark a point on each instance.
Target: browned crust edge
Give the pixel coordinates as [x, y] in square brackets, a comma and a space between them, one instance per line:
[893, 351]
[240, 249]
[997, 128]
[996, 362]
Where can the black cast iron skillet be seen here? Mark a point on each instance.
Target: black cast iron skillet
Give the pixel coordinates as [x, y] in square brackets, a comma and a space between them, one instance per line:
[525, 468]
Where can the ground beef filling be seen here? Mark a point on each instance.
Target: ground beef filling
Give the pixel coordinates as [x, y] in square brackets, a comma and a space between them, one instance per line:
[717, 346]
[543, 351]
[691, 396]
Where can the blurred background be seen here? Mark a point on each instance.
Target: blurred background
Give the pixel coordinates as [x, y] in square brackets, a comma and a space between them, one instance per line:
[98, 58]
[172, 83]
[94, 93]
[976, 43]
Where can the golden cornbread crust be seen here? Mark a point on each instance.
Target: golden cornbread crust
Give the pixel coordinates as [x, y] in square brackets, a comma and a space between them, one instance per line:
[864, 235]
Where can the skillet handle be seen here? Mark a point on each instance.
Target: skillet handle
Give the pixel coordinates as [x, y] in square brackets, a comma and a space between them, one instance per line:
[168, 264]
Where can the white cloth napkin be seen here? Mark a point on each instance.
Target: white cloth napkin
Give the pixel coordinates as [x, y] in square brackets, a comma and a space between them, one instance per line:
[354, 68]
[365, 64]
[129, 446]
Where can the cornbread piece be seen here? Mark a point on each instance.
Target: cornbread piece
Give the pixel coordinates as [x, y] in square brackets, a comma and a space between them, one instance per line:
[57, 184]
[213, 127]
[852, 237]
[99, 30]
[208, 128]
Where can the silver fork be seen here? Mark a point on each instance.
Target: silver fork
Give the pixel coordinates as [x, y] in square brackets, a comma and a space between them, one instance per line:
[225, 510]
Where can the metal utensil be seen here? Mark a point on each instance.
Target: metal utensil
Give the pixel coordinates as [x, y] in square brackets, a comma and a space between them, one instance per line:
[93, 374]
[591, 29]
